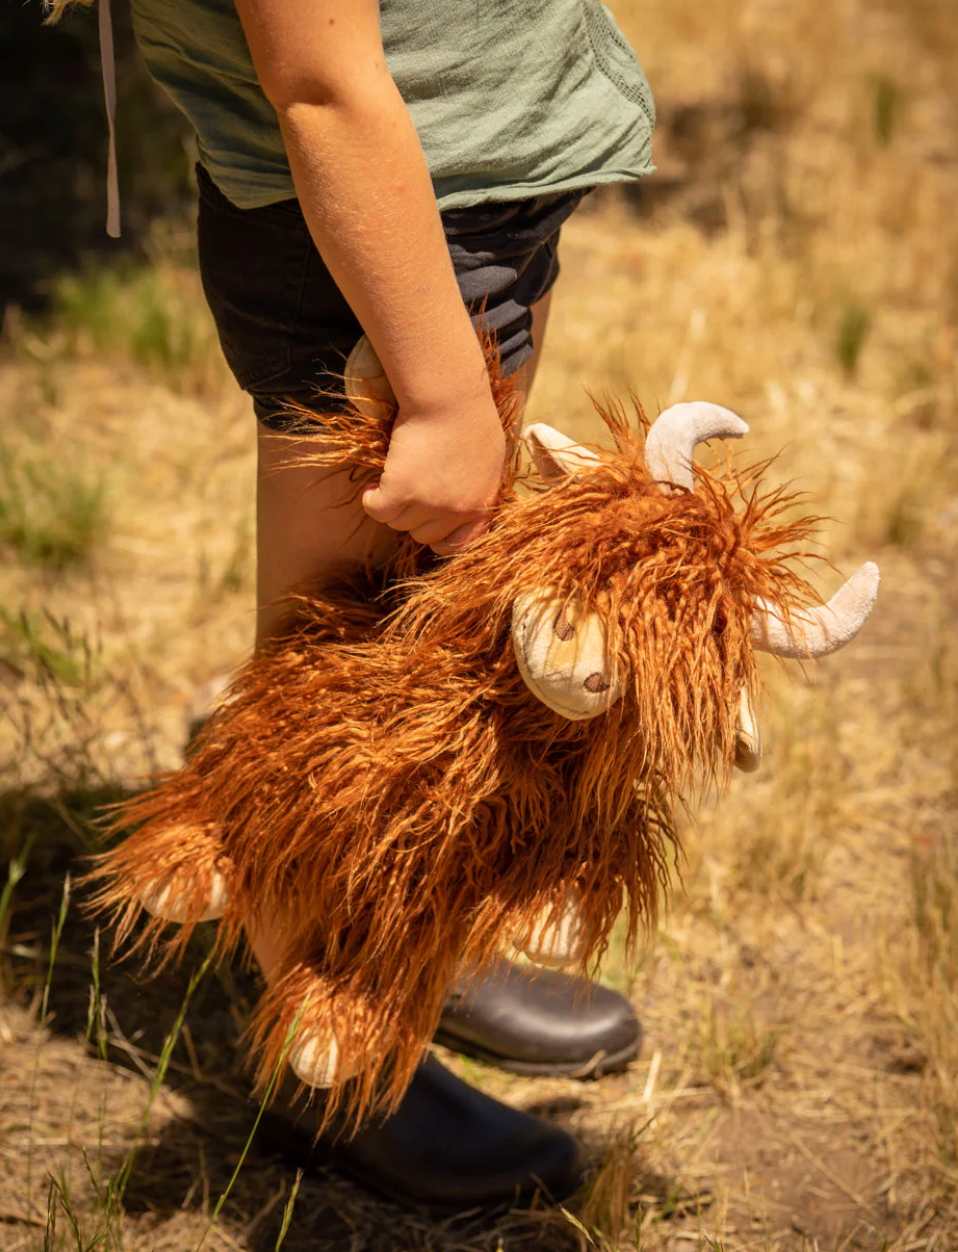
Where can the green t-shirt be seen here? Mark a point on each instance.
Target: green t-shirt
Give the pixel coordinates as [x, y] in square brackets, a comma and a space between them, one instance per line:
[510, 98]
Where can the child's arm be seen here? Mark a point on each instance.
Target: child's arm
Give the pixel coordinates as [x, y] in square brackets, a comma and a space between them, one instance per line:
[365, 190]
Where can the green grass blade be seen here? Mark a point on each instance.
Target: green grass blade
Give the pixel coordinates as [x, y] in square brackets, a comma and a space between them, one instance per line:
[15, 871]
[287, 1044]
[54, 945]
[288, 1211]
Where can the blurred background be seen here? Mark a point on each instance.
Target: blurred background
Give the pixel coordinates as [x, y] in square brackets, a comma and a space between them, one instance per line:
[795, 257]
[53, 154]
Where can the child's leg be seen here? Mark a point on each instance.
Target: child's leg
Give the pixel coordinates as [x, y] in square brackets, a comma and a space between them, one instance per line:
[540, 315]
[310, 525]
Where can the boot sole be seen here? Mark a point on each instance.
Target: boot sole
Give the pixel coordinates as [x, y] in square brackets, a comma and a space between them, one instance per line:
[597, 1065]
[463, 1209]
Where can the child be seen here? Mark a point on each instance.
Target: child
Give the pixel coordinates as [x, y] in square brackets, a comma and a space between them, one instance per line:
[391, 168]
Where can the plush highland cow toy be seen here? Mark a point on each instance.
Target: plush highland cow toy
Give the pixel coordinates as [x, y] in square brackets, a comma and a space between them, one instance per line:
[448, 756]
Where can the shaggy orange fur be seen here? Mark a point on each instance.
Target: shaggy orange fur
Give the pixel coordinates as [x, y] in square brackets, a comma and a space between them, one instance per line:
[385, 783]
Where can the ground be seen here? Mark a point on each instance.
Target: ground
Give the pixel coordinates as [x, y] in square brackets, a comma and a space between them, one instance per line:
[796, 258]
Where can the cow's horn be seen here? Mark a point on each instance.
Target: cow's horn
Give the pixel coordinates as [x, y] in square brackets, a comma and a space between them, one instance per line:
[817, 632]
[674, 434]
[556, 455]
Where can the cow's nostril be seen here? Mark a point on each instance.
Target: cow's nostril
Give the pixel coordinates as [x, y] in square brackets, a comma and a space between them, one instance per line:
[563, 627]
[596, 683]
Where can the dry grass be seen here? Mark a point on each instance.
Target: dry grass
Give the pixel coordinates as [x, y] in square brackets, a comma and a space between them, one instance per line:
[797, 259]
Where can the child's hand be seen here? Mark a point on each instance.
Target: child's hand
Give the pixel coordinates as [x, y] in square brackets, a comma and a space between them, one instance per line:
[442, 473]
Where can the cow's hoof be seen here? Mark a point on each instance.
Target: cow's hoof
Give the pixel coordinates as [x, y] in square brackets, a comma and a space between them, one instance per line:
[171, 897]
[556, 939]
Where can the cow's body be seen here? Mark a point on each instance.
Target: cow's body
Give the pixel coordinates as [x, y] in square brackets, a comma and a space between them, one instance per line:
[394, 794]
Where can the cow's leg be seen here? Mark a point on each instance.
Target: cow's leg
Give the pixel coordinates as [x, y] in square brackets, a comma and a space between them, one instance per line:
[194, 888]
[341, 1029]
[172, 868]
[308, 1024]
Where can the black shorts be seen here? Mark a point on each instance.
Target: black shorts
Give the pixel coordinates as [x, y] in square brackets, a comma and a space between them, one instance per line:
[286, 328]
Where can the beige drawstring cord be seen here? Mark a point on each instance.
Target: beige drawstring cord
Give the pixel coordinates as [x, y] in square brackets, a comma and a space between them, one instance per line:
[108, 64]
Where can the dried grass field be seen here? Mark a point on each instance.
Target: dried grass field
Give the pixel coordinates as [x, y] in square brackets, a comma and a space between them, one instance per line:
[796, 259]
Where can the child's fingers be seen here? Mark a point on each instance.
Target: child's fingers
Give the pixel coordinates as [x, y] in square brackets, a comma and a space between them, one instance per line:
[413, 516]
[434, 531]
[459, 537]
[442, 529]
[402, 514]
[380, 508]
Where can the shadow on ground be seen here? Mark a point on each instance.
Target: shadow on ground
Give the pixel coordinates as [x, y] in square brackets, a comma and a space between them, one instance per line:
[181, 1170]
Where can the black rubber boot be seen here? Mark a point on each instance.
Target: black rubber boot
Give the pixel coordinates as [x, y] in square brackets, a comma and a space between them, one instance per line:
[541, 1021]
[447, 1147]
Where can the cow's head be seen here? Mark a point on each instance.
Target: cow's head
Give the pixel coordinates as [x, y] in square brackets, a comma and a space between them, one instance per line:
[564, 648]
[639, 589]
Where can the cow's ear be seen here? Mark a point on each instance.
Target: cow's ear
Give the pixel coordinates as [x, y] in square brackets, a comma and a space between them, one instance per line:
[554, 454]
